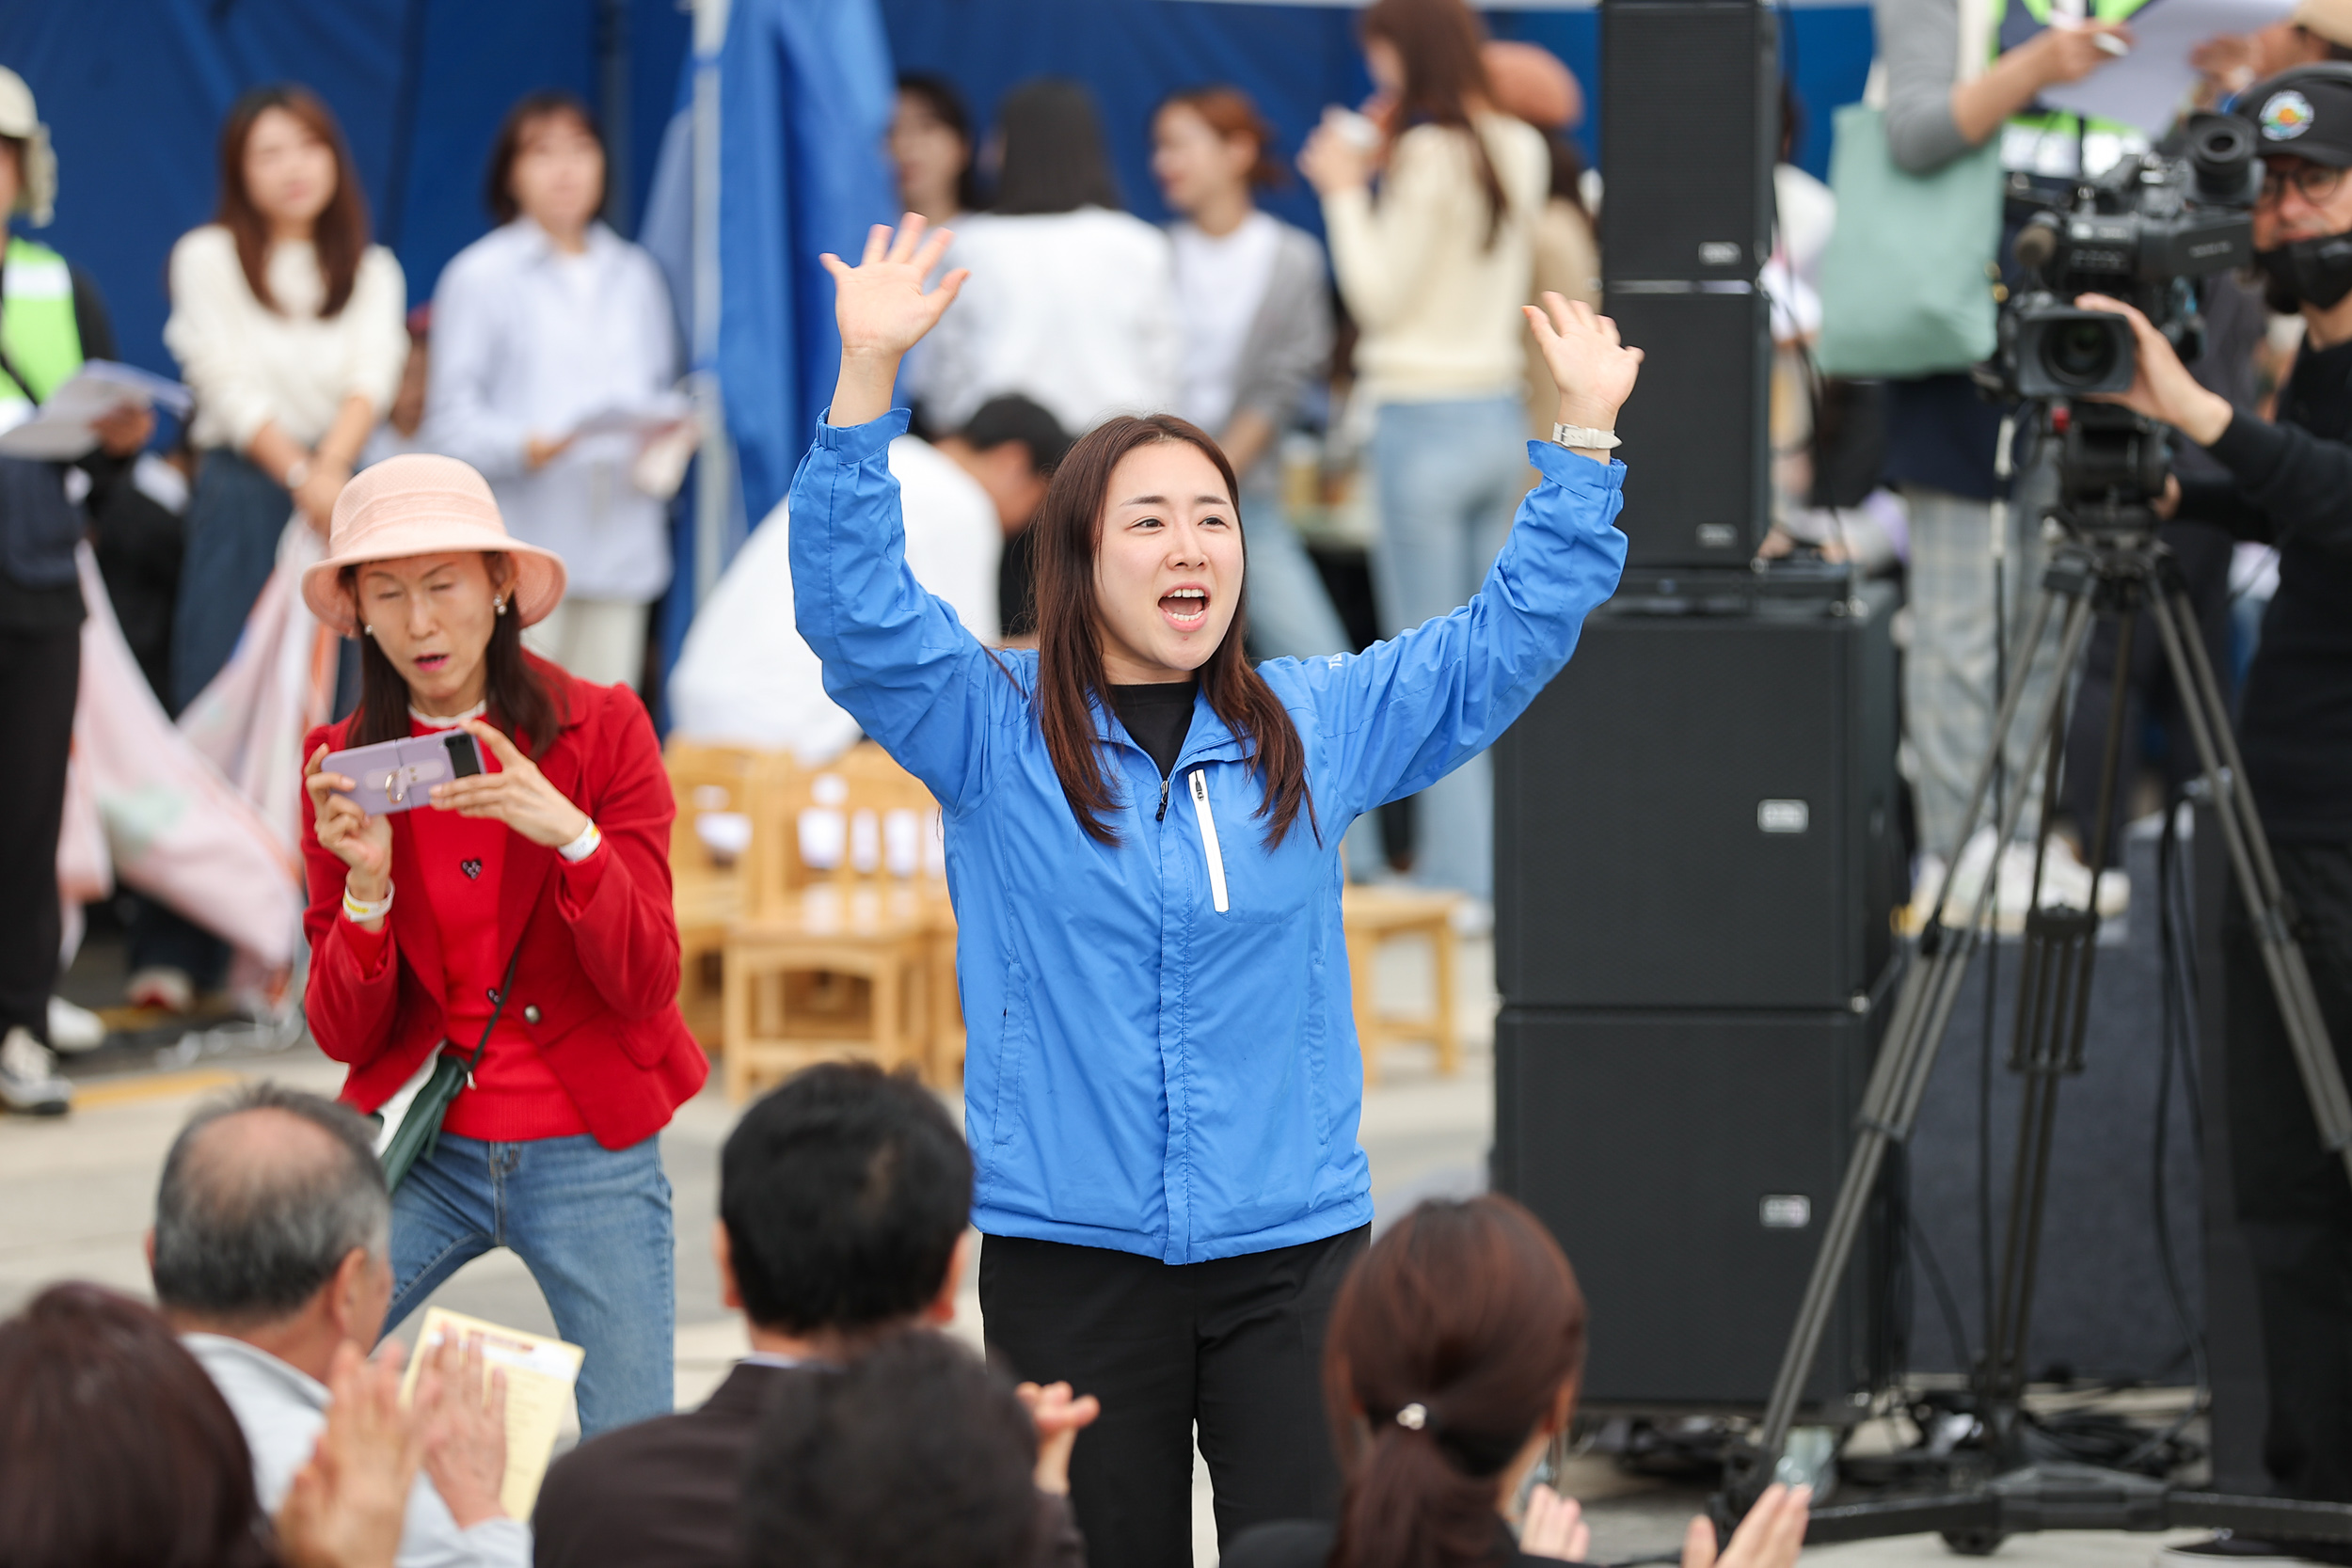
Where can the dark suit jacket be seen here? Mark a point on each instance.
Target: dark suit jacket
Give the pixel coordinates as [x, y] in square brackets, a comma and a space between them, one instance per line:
[664, 1493]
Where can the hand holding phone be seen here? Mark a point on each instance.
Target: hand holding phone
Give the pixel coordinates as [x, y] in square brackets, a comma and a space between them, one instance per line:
[399, 775]
[362, 843]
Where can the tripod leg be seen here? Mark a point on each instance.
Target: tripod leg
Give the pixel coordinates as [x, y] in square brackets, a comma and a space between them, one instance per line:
[1923, 1008]
[2257, 873]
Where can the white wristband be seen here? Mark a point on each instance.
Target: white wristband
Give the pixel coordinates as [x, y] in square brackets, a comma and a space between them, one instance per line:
[1584, 436]
[360, 913]
[584, 846]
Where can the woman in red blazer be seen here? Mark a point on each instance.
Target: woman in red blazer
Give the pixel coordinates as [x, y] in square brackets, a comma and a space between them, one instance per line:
[555, 860]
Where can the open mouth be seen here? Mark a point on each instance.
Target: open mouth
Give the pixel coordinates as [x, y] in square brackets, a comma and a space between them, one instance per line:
[430, 664]
[1186, 609]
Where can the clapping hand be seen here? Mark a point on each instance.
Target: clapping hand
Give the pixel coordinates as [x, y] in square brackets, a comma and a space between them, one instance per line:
[1592, 369]
[1770, 1536]
[347, 1504]
[1059, 1418]
[1554, 1528]
[464, 1425]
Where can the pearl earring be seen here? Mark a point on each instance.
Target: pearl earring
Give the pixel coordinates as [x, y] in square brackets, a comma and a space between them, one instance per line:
[498, 605]
[369, 630]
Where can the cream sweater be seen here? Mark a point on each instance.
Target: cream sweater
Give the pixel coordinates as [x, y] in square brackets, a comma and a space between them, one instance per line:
[249, 365]
[1438, 308]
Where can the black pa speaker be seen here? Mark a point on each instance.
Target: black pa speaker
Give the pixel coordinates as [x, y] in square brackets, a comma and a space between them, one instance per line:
[1699, 812]
[1696, 450]
[1689, 127]
[1686, 1162]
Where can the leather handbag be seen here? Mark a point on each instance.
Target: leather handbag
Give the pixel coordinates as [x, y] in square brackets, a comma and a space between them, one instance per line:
[412, 1131]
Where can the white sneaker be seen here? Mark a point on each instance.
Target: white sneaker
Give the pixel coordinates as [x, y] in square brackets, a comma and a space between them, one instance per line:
[30, 1083]
[73, 1030]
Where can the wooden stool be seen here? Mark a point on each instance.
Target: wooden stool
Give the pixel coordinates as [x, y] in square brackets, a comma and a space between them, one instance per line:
[1375, 916]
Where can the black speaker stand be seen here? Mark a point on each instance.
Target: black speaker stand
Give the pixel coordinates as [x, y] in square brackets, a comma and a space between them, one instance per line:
[2114, 564]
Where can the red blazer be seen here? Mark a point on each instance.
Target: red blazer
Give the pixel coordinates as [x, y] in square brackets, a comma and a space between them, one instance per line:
[597, 983]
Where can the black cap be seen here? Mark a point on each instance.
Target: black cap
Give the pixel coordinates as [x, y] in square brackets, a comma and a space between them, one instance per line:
[2303, 113]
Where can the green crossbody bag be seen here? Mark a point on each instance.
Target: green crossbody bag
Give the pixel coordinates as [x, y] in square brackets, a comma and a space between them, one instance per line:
[413, 1132]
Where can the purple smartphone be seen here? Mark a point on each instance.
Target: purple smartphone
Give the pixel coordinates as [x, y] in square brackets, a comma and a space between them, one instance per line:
[398, 775]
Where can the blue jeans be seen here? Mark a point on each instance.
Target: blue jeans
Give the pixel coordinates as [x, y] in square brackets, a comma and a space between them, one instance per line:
[1450, 476]
[235, 517]
[593, 1225]
[1290, 611]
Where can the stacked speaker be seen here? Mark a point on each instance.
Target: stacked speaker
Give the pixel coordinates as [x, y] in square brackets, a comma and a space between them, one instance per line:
[1694, 825]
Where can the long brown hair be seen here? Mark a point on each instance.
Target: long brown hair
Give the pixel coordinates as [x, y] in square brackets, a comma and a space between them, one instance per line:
[1471, 1312]
[1069, 652]
[341, 234]
[119, 1451]
[1438, 41]
[516, 694]
[1231, 112]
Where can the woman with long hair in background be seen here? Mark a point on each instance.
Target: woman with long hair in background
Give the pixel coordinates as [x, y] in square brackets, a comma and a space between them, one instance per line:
[1072, 301]
[1142, 837]
[289, 326]
[1436, 271]
[1454, 1351]
[1256, 314]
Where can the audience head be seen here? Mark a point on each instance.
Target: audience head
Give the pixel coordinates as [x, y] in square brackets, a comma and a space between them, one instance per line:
[286, 174]
[930, 142]
[421, 569]
[1052, 156]
[1452, 1352]
[273, 1212]
[913, 1456]
[28, 167]
[1209, 143]
[843, 1198]
[1139, 578]
[1012, 445]
[116, 1448]
[1425, 58]
[547, 165]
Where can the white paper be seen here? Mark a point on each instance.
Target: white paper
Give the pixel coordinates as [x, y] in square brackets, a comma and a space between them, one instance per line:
[644, 419]
[2148, 86]
[62, 430]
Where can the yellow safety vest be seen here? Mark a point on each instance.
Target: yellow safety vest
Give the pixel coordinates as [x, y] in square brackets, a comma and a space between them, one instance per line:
[37, 330]
[2049, 142]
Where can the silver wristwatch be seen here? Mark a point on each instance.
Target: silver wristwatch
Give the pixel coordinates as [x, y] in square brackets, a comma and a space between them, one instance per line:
[1584, 435]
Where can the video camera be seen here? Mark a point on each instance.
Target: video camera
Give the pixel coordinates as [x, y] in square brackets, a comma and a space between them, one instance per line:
[2144, 233]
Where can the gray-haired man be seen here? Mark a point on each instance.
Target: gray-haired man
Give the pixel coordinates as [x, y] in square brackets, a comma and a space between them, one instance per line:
[271, 1249]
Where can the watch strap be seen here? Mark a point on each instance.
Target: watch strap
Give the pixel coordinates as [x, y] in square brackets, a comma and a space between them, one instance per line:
[1585, 435]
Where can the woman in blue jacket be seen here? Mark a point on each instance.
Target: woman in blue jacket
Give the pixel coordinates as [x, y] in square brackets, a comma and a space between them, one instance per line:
[1163, 1085]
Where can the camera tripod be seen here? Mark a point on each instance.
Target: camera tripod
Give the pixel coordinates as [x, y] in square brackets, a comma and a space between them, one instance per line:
[2109, 559]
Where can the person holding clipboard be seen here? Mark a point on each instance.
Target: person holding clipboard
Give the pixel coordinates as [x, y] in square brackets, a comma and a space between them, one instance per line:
[1142, 830]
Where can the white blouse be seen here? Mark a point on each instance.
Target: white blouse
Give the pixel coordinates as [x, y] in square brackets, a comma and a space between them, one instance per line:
[249, 365]
[528, 341]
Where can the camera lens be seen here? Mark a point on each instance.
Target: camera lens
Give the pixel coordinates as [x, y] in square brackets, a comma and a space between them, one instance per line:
[2080, 353]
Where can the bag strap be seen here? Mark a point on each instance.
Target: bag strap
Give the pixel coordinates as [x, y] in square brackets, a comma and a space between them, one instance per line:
[498, 1007]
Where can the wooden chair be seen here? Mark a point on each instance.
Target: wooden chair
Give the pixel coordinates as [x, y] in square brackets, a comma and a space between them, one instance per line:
[1375, 916]
[833, 956]
[710, 857]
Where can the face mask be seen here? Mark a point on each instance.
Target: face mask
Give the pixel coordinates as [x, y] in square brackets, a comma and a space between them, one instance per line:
[2308, 271]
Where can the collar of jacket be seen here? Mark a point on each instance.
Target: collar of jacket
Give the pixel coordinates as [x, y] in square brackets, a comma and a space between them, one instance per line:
[1208, 741]
[528, 864]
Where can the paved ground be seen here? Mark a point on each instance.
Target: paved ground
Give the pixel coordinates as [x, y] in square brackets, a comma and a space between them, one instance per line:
[80, 1193]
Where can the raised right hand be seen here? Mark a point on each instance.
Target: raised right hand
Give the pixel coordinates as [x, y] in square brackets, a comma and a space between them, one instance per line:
[361, 841]
[464, 1421]
[880, 304]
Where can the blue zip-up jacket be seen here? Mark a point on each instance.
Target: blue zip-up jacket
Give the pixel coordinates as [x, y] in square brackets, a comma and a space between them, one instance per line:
[1161, 1053]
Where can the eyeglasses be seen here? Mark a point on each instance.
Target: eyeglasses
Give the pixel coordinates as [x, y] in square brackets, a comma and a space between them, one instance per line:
[2313, 183]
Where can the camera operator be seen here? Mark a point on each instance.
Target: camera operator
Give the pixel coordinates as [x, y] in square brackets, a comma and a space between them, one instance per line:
[2291, 484]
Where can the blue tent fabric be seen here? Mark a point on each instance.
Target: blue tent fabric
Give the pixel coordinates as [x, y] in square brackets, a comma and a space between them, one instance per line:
[804, 100]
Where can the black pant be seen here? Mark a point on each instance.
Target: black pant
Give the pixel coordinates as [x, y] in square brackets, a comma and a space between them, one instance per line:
[1235, 1345]
[2294, 1201]
[40, 674]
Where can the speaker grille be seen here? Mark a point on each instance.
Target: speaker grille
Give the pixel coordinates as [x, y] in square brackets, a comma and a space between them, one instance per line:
[1695, 430]
[1688, 137]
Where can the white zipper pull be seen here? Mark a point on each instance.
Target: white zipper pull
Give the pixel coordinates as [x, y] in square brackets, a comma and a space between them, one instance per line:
[1208, 838]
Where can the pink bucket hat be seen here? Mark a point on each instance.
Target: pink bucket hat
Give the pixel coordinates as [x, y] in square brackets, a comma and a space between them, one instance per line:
[418, 504]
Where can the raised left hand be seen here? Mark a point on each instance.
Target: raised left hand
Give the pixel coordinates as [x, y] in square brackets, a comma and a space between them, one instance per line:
[517, 795]
[1059, 1418]
[2162, 389]
[348, 1503]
